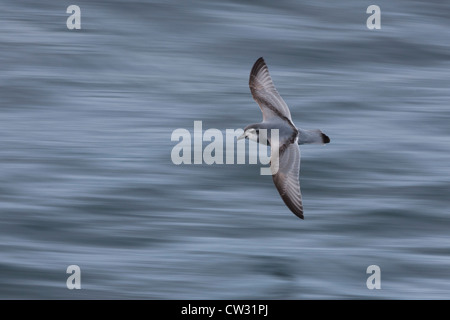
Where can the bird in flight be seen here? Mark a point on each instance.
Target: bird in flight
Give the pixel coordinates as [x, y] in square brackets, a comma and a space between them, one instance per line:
[276, 115]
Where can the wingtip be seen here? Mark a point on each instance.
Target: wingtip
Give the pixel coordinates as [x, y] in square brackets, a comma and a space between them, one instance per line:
[260, 62]
[297, 211]
[257, 66]
[325, 138]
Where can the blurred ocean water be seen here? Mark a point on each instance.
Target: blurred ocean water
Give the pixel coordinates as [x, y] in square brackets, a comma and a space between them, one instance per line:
[85, 143]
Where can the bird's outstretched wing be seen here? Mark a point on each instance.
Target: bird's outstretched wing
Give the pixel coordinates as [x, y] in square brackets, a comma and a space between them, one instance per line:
[265, 93]
[287, 178]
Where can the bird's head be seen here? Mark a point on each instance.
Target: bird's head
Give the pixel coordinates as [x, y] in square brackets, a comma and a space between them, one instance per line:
[250, 132]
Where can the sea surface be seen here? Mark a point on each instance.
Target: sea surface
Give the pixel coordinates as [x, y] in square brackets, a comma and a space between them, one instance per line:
[87, 178]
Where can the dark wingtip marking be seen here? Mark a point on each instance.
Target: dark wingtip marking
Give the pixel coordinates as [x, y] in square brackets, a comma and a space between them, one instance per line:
[325, 138]
[258, 65]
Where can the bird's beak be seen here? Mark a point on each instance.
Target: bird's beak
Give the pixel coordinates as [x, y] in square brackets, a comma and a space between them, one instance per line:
[242, 136]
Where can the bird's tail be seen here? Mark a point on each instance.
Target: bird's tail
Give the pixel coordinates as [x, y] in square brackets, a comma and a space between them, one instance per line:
[312, 136]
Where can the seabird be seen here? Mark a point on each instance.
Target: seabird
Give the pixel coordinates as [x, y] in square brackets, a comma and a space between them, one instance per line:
[276, 115]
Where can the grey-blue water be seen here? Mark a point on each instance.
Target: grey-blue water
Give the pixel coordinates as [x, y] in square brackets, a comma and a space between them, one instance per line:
[85, 150]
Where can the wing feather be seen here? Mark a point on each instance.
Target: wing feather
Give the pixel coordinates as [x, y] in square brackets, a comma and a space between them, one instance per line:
[287, 178]
[265, 94]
